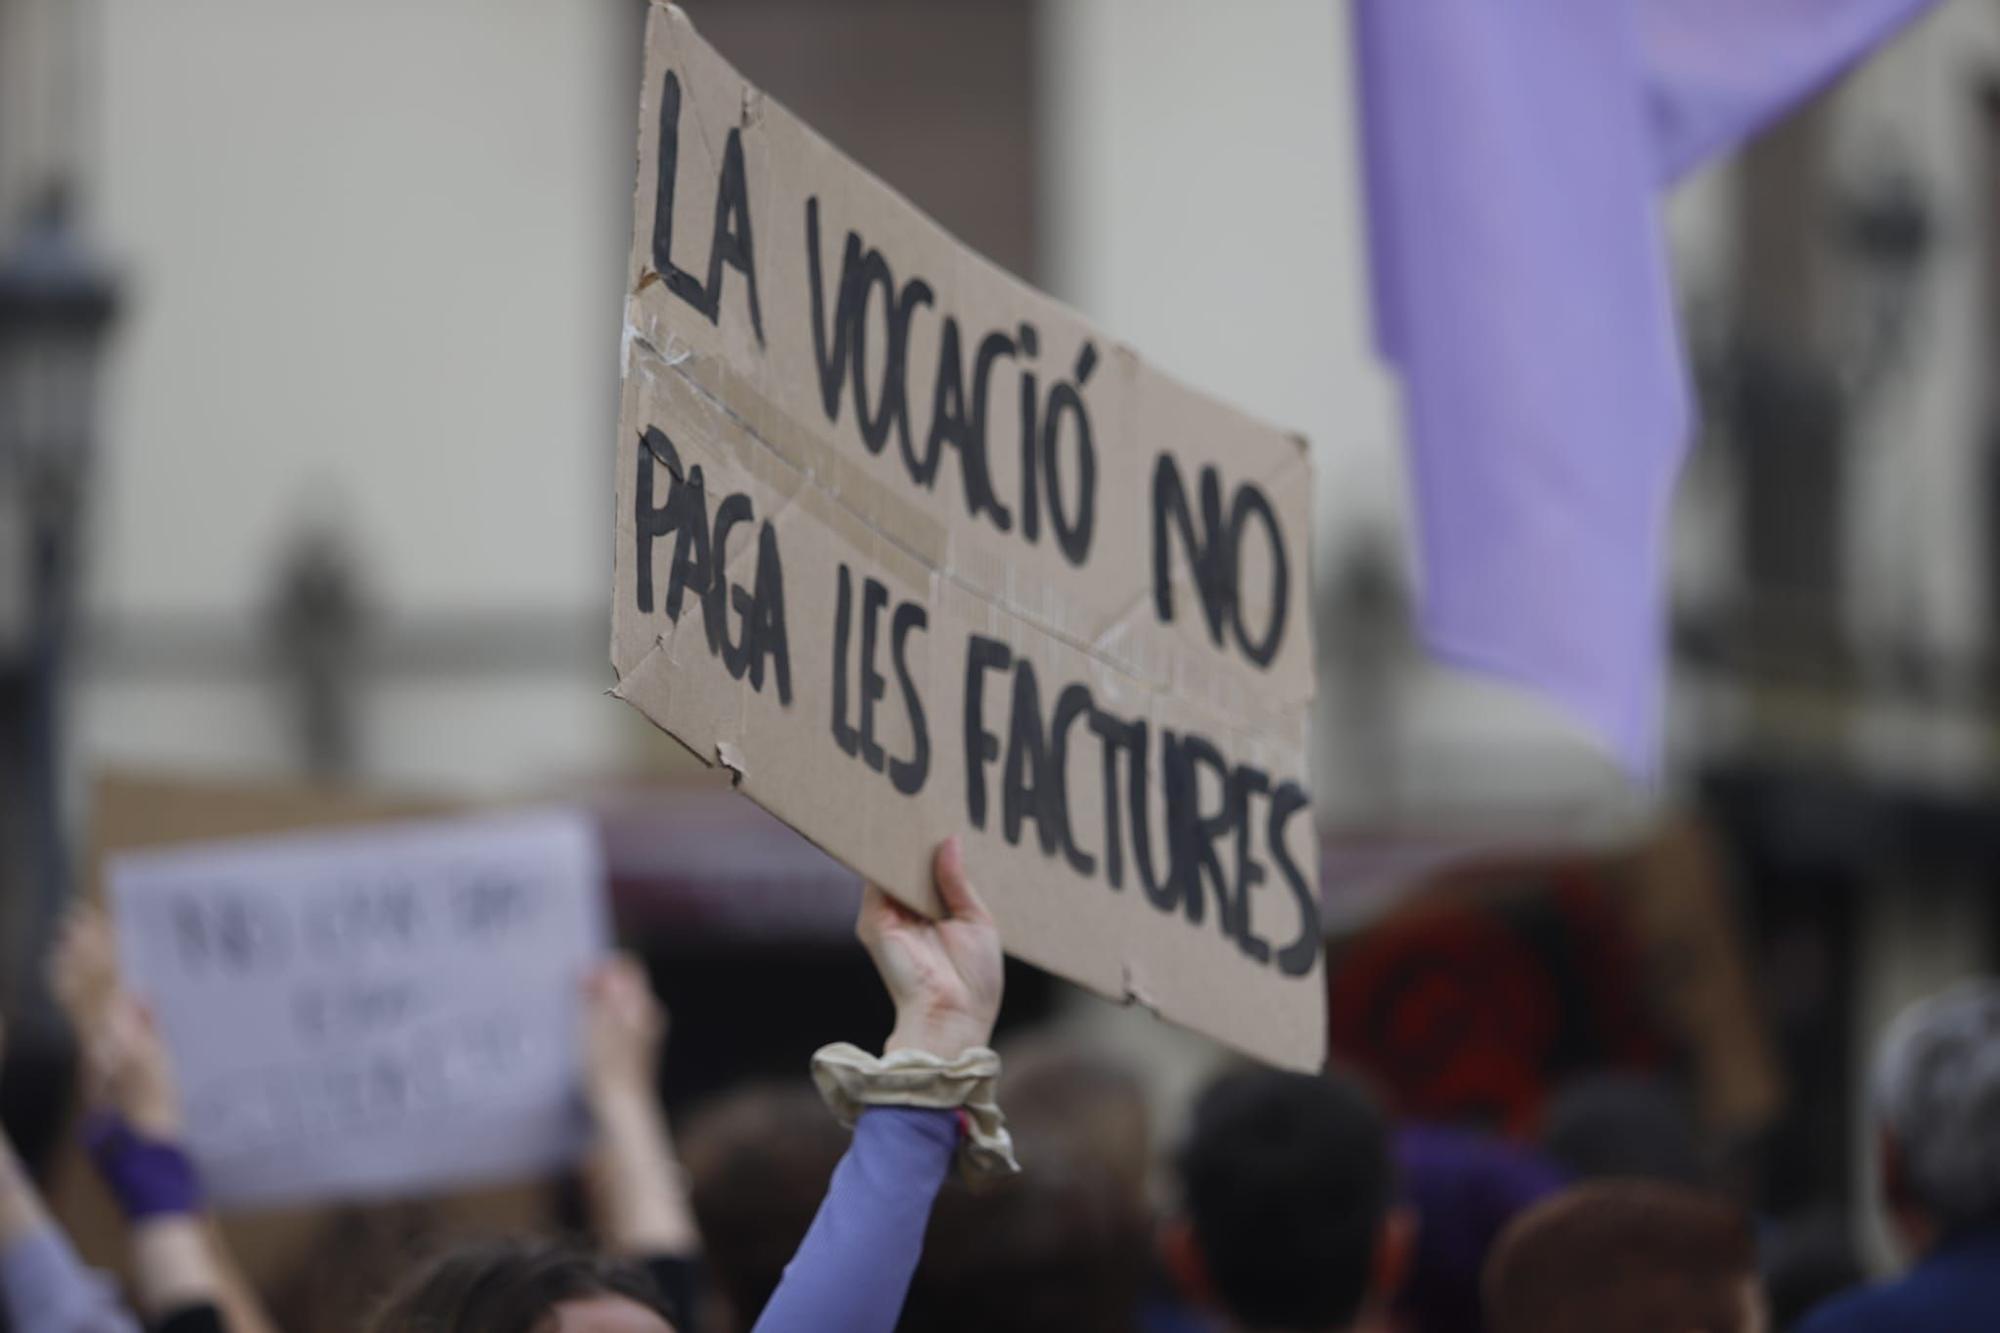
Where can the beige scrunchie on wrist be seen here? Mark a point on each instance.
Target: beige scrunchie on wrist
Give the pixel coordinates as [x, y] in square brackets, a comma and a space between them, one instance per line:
[850, 1079]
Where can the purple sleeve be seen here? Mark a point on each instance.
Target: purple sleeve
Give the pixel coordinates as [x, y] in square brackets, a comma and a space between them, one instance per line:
[45, 1288]
[853, 1268]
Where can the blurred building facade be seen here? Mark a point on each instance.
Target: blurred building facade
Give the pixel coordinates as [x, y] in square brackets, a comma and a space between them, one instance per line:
[357, 233]
[1836, 558]
[349, 513]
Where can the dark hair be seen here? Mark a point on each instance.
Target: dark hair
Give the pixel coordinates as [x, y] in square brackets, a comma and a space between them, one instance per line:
[1060, 1248]
[507, 1286]
[758, 1161]
[1287, 1179]
[1624, 1126]
[1637, 1256]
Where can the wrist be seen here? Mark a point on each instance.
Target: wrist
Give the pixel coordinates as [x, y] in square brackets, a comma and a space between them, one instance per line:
[174, 1267]
[20, 1206]
[13, 1174]
[623, 1104]
[943, 1034]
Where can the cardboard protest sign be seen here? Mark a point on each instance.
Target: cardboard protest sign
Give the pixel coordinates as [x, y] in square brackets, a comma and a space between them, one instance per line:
[373, 1012]
[912, 550]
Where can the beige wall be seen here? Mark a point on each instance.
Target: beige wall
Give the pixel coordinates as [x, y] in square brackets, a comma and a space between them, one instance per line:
[374, 253]
[1203, 203]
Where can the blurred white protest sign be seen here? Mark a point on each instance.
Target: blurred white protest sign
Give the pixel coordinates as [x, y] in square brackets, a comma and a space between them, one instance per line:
[381, 1011]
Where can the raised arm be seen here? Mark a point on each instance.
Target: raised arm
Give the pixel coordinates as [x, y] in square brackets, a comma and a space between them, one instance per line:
[44, 1287]
[853, 1269]
[185, 1278]
[639, 1192]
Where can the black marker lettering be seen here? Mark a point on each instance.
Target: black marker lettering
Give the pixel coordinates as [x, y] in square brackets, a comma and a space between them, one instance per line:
[874, 685]
[1195, 832]
[1250, 501]
[874, 424]
[679, 282]
[730, 240]
[1031, 505]
[978, 481]
[1162, 891]
[1297, 958]
[1116, 735]
[843, 324]
[703, 567]
[843, 622]
[1204, 549]
[715, 599]
[732, 244]
[1215, 555]
[917, 293]
[1073, 703]
[949, 425]
[764, 618]
[832, 363]
[908, 775]
[691, 565]
[840, 349]
[650, 521]
[1073, 529]
[981, 746]
[1026, 792]
[1244, 783]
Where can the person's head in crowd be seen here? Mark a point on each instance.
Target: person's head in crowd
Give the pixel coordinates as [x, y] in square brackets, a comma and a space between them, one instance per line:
[758, 1161]
[1464, 1187]
[1623, 1126]
[1626, 1256]
[1937, 1103]
[1290, 1220]
[523, 1287]
[1059, 1090]
[1060, 1248]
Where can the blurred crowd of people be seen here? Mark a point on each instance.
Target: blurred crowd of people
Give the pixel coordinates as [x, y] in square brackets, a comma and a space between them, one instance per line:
[1293, 1203]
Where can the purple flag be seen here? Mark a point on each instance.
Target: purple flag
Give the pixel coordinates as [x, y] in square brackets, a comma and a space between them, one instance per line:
[1515, 153]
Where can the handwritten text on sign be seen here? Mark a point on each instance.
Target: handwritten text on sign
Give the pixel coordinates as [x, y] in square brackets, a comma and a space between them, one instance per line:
[383, 1011]
[914, 551]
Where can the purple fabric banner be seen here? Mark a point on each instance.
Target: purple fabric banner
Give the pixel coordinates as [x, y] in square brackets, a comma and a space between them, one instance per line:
[1514, 154]
[1717, 71]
